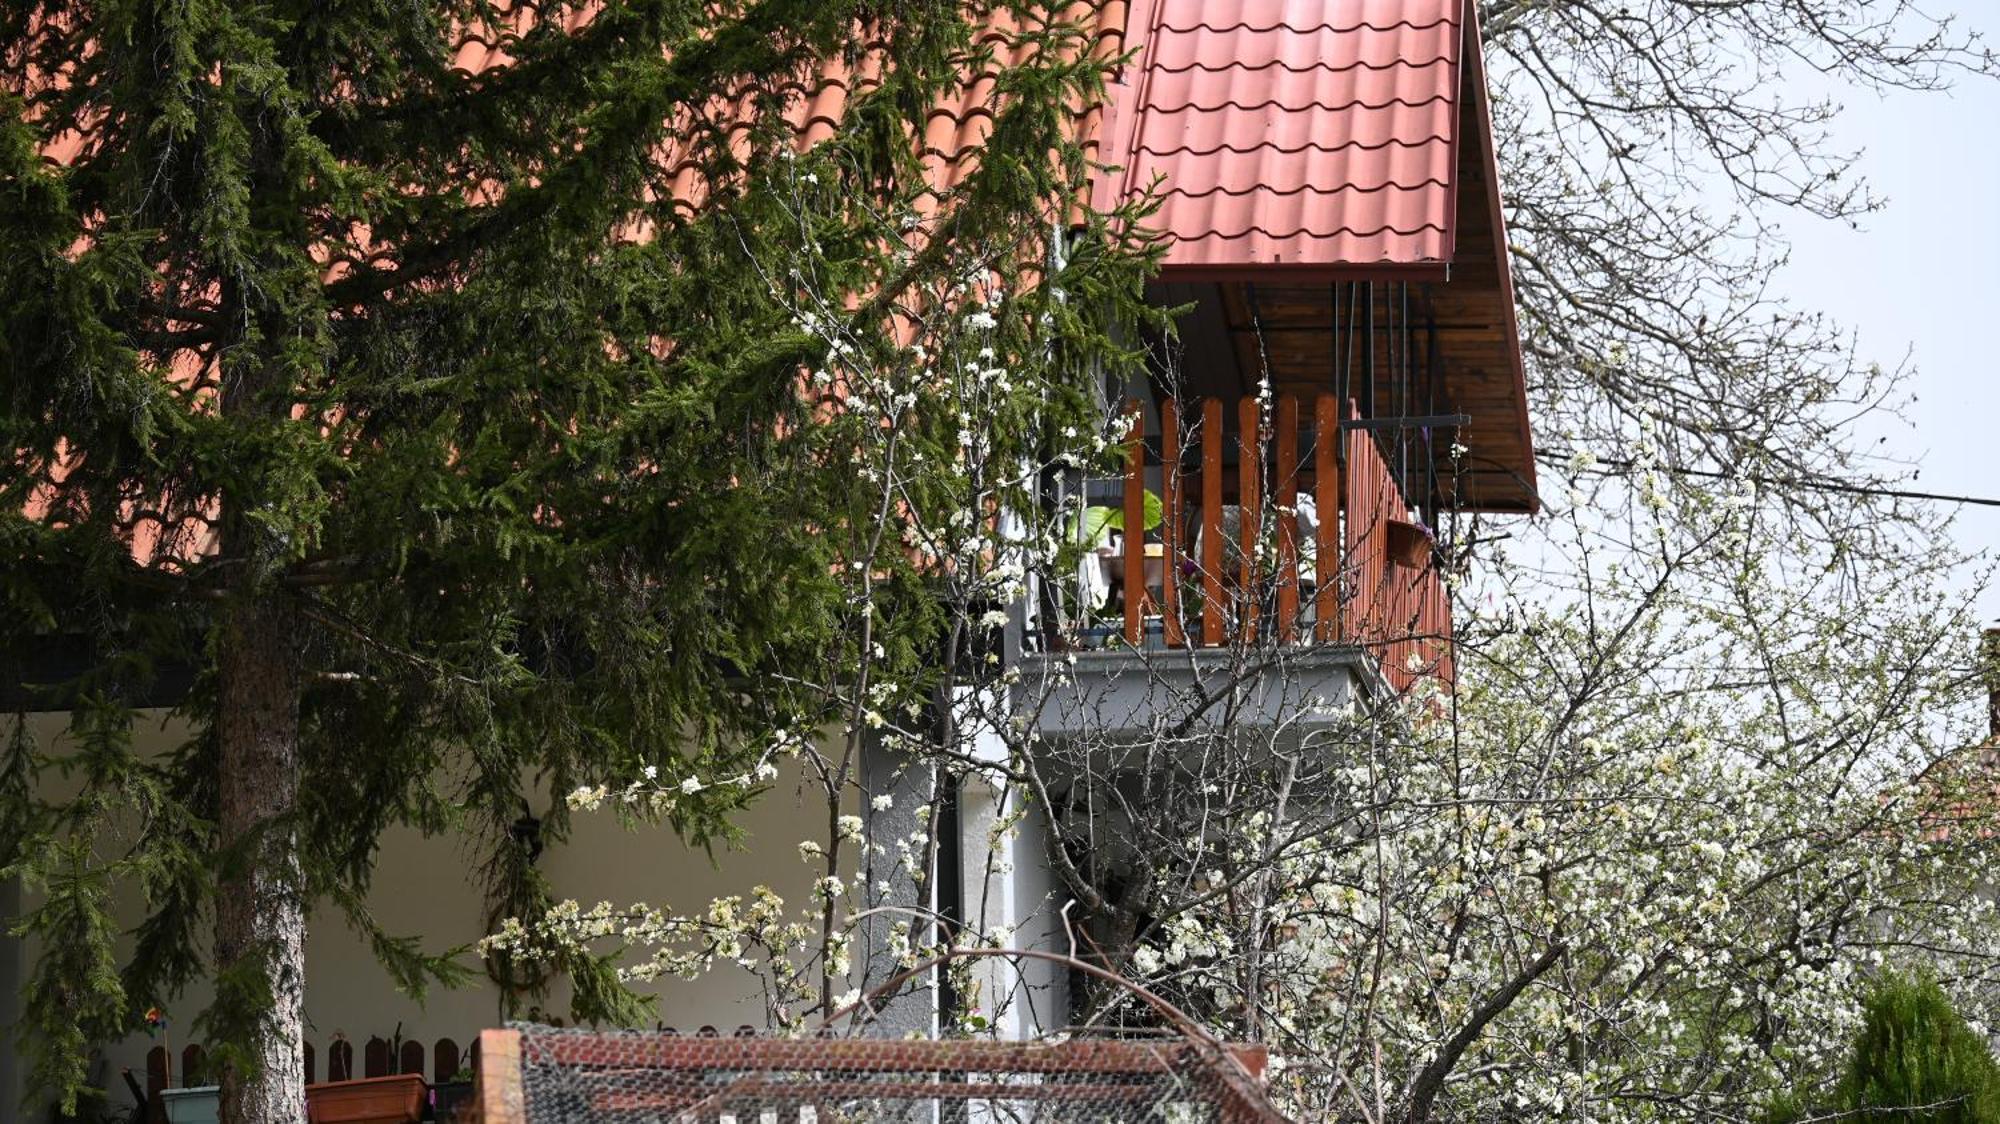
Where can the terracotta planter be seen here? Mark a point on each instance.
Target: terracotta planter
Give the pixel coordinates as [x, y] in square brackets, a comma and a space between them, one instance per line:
[371, 1100]
[1408, 544]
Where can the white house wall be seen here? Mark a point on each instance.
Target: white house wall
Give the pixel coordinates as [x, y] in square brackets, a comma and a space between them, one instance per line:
[431, 888]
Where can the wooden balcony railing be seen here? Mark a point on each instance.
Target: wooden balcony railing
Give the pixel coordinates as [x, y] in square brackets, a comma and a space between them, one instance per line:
[1344, 561]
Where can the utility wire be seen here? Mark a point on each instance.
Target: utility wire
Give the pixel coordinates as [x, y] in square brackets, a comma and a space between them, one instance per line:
[1791, 482]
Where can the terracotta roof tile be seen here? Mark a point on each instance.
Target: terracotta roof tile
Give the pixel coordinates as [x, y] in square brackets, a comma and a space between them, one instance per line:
[1292, 132]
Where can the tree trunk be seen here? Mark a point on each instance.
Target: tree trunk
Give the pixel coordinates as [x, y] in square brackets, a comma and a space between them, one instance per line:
[260, 923]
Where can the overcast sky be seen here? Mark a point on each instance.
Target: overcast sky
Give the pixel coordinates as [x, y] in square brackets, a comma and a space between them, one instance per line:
[1924, 275]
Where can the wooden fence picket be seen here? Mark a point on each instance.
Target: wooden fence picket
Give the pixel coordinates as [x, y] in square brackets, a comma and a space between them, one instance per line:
[1398, 608]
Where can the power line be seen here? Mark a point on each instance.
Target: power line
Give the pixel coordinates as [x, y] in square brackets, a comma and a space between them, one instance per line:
[1791, 482]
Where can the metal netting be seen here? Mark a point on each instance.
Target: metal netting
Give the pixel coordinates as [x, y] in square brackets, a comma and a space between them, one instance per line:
[588, 1077]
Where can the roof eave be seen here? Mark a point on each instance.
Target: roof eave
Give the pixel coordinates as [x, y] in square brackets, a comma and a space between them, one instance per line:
[1475, 87]
[1293, 273]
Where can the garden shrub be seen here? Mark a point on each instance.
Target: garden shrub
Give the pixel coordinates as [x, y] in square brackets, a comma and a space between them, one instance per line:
[1914, 1061]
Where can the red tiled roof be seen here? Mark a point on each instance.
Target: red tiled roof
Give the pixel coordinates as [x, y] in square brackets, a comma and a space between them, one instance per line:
[954, 130]
[1300, 133]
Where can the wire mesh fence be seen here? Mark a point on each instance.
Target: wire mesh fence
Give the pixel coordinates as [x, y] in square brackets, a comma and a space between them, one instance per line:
[542, 1075]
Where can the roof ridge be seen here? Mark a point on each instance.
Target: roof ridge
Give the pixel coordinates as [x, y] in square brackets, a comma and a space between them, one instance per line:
[1322, 26]
[1308, 232]
[1357, 64]
[1305, 189]
[1309, 146]
[1273, 103]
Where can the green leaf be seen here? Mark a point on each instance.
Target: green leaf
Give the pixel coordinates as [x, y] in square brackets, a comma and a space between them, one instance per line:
[1098, 519]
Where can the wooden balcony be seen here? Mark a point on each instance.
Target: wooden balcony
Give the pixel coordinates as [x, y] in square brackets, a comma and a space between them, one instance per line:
[1287, 529]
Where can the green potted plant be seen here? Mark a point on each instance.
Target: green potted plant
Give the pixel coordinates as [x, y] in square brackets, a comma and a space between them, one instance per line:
[1099, 520]
[1092, 530]
[190, 1104]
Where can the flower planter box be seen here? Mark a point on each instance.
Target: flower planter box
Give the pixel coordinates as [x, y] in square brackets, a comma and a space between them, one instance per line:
[1408, 544]
[371, 1100]
[199, 1105]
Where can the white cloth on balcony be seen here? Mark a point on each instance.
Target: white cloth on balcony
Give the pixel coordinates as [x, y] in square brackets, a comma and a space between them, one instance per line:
[1092, 583]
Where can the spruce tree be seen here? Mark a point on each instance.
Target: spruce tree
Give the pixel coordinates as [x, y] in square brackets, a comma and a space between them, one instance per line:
[1914, 1061]
[445, 413]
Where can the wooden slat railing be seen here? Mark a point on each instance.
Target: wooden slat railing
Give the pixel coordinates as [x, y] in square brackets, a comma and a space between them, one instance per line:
[1211, 522]
[1135, 519]
[1172, 487]
[439, 1061]
[1327, 494]
[1344, 584]
[1401, 609]
[1285, 506]
[379, 1058]
[1249, 473]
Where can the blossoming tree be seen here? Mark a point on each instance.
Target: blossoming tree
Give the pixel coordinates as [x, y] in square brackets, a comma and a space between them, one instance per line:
[1704, 767]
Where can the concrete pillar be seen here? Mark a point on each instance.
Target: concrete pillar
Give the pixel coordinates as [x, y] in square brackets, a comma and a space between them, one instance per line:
[899, 796]
[999, 881]
[1010, 887]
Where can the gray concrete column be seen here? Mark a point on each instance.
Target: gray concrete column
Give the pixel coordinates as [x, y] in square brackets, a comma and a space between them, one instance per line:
[898, 882]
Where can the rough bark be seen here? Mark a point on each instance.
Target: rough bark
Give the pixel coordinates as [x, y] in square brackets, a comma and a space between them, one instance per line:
[260, 911]
[260, 922]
